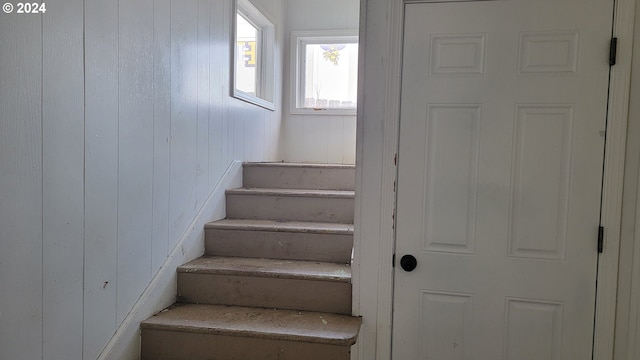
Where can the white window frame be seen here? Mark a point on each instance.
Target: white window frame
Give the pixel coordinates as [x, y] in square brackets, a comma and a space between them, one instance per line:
[265, 48]
[298, 40]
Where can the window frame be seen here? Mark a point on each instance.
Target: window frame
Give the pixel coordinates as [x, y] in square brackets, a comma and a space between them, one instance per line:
[265, 49]
[297, 67]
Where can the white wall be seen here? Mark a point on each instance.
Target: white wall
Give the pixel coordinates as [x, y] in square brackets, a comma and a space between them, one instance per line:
[115, 126]
[317, 138]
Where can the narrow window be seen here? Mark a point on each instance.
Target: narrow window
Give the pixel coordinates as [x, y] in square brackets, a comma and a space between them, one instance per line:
[253, 49]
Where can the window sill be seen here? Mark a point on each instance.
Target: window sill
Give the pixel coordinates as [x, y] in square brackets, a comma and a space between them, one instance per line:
[323, 112]
[254, 100]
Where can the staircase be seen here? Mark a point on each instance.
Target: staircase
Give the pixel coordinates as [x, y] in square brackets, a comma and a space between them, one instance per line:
[275, 281]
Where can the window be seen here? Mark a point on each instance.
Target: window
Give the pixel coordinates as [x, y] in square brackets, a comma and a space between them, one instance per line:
[325, 74]
[253, 50]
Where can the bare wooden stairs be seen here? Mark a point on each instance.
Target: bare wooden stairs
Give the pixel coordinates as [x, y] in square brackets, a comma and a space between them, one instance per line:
[275, 280]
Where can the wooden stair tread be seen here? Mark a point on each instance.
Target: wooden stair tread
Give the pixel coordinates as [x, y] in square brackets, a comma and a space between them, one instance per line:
[273, 268]
[258, 293]
[281, 226]
[339, 194]
[288, 325]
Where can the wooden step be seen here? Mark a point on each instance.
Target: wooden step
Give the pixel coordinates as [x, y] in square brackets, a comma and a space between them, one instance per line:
[294, 240]
[334, 206]
[269, 283]
[299, 176]
[203, 332]
[275, 282]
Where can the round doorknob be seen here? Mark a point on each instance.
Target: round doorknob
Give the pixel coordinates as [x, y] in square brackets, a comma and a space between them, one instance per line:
[408, 263]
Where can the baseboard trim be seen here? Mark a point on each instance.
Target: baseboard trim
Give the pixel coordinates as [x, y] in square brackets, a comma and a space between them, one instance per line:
[161, 292]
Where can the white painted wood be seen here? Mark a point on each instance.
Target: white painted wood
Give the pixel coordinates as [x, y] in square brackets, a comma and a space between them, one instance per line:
[634, 314]
[317, 138]
[273, 129]
[218, 82]
[236, 123]
[183, 116]
[335, 127]
[181, 76]
[130, 160]
[203, 108]
[21, 187]
[62, 181]
[249, 120]
[372, 170]
[101, 175]
[261, 146]
[349, 132]
[291, 139]
[628, 297]
[613, 180]
[161, 132]
[376, 174]
[161, 292]
[135, 151]
[225, 33]
[507, 226]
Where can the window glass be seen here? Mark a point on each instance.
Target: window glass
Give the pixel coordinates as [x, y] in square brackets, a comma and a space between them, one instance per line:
[330, 76]
[247, 56]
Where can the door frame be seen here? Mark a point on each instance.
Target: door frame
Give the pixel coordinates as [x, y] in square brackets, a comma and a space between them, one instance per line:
[377, 172]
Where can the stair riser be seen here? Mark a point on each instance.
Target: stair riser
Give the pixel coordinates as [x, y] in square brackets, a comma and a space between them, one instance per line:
[170, 345]
[295, 208]
[294, 294]
[279, 245]
[287, 177]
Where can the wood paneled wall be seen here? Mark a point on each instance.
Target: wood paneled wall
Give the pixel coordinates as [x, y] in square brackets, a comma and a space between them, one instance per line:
[115, 125]
[21, 187]
[317, 138]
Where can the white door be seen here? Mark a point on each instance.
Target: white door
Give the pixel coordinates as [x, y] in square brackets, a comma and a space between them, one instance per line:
[501, 147]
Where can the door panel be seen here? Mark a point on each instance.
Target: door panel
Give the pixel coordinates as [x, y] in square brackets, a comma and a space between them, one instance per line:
[500, 167]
